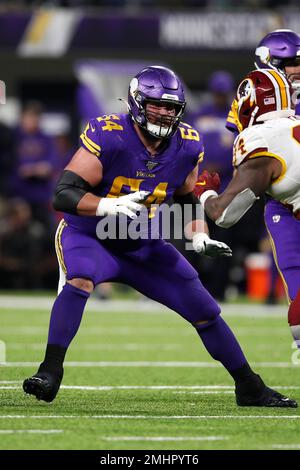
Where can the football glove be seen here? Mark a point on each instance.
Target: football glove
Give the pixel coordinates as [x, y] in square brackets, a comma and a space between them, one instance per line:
[207, 181]
[204, 245]
[127, 205]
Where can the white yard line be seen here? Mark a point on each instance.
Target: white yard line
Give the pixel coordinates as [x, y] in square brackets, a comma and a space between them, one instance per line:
[165, 438]
[9, 387]
[204, 389]
[149, 364]
[157, 331]
[30, 431]
[151, 387]
[160, 330]
[136, 387]
[45, 303]
[68, 387]
[285, 446]
[139, 306]
[117, 364]
[151, 417]
[105, 347]
[202, 392]
[10, 382]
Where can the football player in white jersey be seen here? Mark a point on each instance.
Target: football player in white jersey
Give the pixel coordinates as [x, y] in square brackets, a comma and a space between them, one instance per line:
[266, 157]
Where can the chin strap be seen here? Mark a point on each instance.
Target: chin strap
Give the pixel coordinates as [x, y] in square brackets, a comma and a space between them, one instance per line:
[253, 114]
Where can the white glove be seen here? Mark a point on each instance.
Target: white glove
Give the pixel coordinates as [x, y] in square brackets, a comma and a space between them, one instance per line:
[122, 205]
[205, 246]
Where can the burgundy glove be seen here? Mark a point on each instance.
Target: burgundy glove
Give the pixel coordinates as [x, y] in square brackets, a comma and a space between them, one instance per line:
[207, 181]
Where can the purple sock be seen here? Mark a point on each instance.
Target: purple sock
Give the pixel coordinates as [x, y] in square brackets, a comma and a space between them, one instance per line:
[66, 315]
[222, 345]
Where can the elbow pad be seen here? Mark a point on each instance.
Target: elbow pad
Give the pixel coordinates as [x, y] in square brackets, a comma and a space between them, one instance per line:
[239, 205]
[68, 192]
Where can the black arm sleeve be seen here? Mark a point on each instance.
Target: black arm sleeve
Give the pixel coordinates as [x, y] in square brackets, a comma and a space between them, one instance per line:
[193, 201]
[69, 190]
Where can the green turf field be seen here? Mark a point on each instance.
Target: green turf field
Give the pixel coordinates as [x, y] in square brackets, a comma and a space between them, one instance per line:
[140, 380]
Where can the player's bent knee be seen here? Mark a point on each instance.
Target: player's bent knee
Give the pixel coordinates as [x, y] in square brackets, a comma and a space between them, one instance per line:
[203, 324]
[200, 323]
[196, 304]
[206, 317]
[83, 284]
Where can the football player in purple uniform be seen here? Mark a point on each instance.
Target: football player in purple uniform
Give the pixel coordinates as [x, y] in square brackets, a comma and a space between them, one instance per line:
[127, 161]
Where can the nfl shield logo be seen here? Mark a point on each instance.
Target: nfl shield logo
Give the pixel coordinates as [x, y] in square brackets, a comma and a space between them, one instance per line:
[276, 219]
[150, 165]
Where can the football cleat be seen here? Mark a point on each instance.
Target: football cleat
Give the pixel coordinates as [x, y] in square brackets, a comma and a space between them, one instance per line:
[43, 385]
[268, 398]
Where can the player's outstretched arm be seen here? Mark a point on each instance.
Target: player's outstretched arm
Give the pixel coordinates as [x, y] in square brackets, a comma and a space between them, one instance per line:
[197, 229]
[252, 178]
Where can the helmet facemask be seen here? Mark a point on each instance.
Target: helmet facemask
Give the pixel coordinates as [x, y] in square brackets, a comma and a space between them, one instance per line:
[162, 125]
[293, 77]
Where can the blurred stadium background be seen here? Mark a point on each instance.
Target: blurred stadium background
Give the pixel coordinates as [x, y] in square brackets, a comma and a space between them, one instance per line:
[63, 62]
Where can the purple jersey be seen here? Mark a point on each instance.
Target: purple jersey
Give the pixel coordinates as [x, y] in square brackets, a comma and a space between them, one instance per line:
[129, 167]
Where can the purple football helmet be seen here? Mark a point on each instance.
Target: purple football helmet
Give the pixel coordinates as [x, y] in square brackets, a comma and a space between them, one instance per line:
[277, 50]
[156, 85]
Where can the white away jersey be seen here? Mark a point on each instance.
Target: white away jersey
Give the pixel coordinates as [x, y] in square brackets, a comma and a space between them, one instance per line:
[280, 139]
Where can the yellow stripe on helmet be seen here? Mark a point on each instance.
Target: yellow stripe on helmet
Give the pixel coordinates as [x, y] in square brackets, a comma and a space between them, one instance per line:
[282, 88]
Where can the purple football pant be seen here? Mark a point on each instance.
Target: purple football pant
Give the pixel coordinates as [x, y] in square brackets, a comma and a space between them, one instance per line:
[284, 232]
[153, 267]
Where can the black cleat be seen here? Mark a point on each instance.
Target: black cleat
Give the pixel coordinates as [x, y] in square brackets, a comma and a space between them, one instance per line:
[269, 398]
[43, 385]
